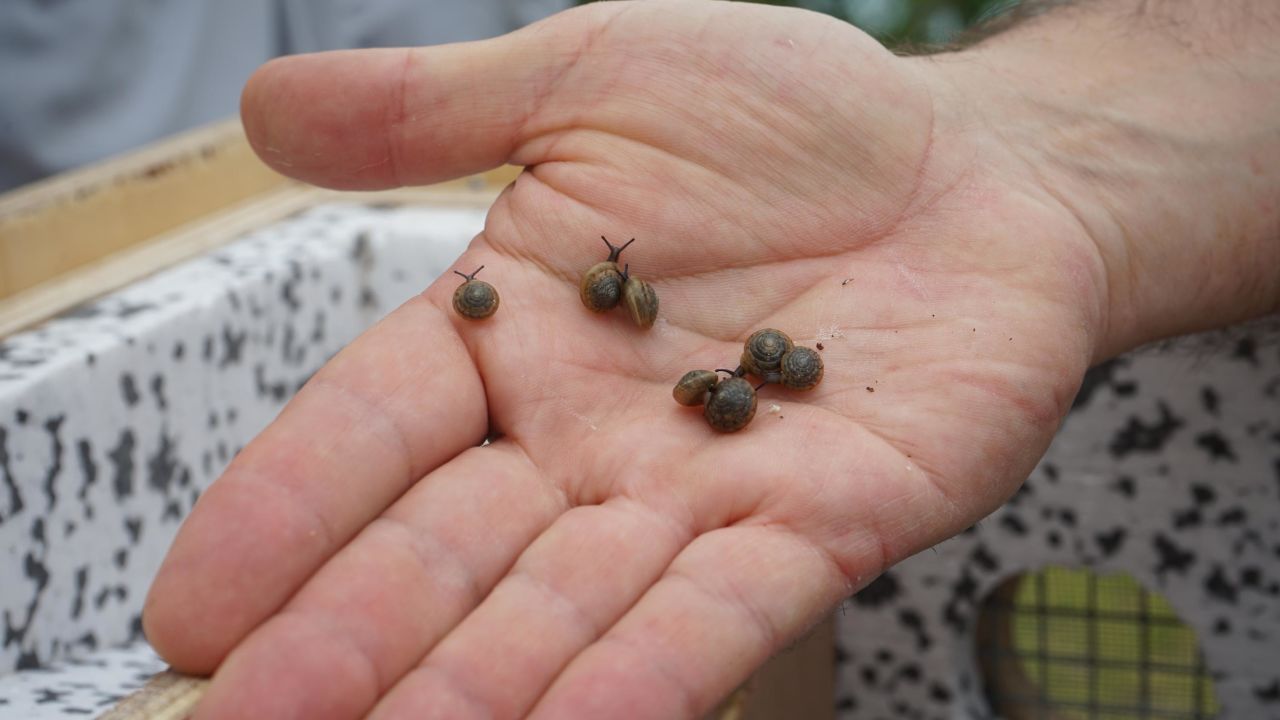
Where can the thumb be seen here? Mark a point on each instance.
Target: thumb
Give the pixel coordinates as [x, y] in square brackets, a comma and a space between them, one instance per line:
[370, 119]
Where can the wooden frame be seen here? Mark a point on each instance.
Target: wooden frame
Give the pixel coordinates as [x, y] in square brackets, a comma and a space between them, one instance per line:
[76, 236]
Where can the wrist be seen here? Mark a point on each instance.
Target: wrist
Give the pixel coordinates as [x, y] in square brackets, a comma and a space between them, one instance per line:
[1163, 149]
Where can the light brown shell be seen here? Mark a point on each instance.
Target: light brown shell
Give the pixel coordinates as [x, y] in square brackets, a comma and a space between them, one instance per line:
[762, 352]
[641, 301]
[801, 368]
[731, 405]
[601, 287]
[692, 388]
[475, 299]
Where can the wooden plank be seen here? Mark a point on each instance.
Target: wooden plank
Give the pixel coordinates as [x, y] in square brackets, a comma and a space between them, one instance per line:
[87, 281]
[79, 235]
[76, 286]
[83, 229]
[799, 682]
[76, 218]
[166, 696]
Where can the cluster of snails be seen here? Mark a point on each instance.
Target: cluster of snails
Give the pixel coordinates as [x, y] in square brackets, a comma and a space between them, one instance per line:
[603, 286]
[770, 355]
[729, 404]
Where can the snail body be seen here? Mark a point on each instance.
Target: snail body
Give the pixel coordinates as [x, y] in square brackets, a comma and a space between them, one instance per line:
[800, 369]
[731, 405]
[762, 352]
[601, 286]
[640, 299]
[769, 354]
[693, 387]
[475, 299]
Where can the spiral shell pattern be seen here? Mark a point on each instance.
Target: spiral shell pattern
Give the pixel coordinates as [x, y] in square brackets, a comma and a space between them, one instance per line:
[801, 369]
[731, 406]
[475, 299]
[762, 352]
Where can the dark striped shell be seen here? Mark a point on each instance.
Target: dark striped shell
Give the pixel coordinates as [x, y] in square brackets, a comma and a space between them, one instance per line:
[731, 405]
[601, 287]
[641, 301]
[801, 369]
[475, 299]
[762, 352]
[692, 388]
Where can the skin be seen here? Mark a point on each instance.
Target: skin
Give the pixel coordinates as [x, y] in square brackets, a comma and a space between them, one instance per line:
[960, 233]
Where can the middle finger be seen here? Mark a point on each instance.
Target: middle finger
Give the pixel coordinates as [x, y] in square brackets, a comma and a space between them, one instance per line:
[571, 585]
[370, 613]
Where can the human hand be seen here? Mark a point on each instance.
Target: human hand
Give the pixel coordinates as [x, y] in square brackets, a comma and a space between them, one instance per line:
[610, 555]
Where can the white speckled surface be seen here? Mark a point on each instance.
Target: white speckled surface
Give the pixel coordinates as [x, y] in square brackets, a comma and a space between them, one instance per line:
[84, 686]
[1167, 469]
[115, 416]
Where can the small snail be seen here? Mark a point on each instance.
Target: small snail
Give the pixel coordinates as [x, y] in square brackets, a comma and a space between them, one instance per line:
[640, 299]
[801, 369]
[692, 388]
[475, 299]
[601, 286]
[731, 405]
[762, 352]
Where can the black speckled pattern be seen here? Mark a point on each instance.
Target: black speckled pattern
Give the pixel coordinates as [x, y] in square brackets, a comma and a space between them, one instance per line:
[114, 416]
[78, 687]
[1168, 468]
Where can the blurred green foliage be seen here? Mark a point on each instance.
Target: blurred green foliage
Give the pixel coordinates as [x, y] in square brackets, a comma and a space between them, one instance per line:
[897, 22]
[906, 22]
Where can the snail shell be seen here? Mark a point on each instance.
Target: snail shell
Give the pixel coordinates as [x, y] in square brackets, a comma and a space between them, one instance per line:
[801, 369]
[601, 286]
[762, 352]
[475, 299]
[641, 300]
[692, 388]
[731, 405]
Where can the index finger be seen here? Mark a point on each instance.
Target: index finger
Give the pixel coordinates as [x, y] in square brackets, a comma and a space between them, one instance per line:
[399, 401]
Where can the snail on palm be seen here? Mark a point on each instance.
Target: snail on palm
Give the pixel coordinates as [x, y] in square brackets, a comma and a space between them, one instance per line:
[727, 406]
[730, 405]
[800, 369]
[603, 286]
[640, 299]
[762, 352]
[693, 387]
[769, 354]
[475, 299]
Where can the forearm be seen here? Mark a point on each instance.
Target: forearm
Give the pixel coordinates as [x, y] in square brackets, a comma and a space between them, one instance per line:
[1156, 123]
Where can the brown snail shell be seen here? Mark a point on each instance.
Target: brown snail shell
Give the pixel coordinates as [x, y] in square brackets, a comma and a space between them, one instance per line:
[475, 299]
[640, 299]
[601, 286]
[731, 405]
[692, 388]
[762, 352]
[801, 369]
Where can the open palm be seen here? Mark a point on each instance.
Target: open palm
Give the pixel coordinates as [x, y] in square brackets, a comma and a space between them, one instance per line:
[609, 555]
